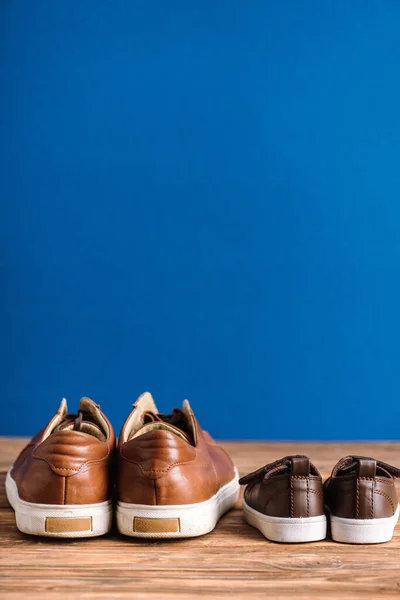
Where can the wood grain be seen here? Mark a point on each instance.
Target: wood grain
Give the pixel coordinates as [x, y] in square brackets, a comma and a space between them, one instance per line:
[234, 560]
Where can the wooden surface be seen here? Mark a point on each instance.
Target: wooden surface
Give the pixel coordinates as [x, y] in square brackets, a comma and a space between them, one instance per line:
[234, 561]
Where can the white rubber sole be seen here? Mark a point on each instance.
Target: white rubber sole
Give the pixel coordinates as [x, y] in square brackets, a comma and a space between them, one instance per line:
[363, 531]
[286, 529]
[176, 521]
[60, 521]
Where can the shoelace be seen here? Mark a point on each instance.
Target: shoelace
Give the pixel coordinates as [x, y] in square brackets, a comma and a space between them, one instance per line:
[176, 419]
[72, 418]
[78, 420]
[273, 468]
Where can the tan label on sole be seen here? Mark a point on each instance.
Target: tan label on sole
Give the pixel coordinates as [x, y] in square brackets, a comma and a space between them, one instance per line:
[148, 525]
[65, 524]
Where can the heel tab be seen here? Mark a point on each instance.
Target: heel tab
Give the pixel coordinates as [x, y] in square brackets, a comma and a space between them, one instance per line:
[300, 466]
[366, 468]
[157, 452]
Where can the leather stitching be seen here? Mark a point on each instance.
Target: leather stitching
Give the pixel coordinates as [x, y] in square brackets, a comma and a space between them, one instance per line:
[291, 498]
[316, 492]
[352, 477]
[372, 499]
[75, 471]
[387, 497]
[58, 468]
[145, 471]
[385, 480]
[358, 497]
[308, 498]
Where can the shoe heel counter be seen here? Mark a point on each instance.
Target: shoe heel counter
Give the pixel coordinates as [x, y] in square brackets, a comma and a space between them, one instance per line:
[149, 470]
[306, 496]
[175, 486]
[364, 498]
[79, 466]
[375, 498]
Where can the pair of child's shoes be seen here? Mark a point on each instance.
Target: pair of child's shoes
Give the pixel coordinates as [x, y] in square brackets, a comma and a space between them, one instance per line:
[287, 501]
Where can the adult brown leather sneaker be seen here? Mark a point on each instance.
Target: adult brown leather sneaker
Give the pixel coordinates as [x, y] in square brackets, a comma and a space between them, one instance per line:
[60, 484]
[362, 501]
[173, 479]
[284, 500]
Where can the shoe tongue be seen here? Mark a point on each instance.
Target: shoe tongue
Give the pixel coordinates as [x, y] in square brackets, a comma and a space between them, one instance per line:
[83, 427]
[175, 418]
[157, 421]
[160, 425]
[151, 417]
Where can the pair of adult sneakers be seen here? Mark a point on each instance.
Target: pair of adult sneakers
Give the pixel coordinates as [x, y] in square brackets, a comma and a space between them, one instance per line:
[173, 480]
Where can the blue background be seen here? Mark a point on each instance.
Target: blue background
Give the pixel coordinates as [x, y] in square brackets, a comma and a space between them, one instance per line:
[202, 199]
